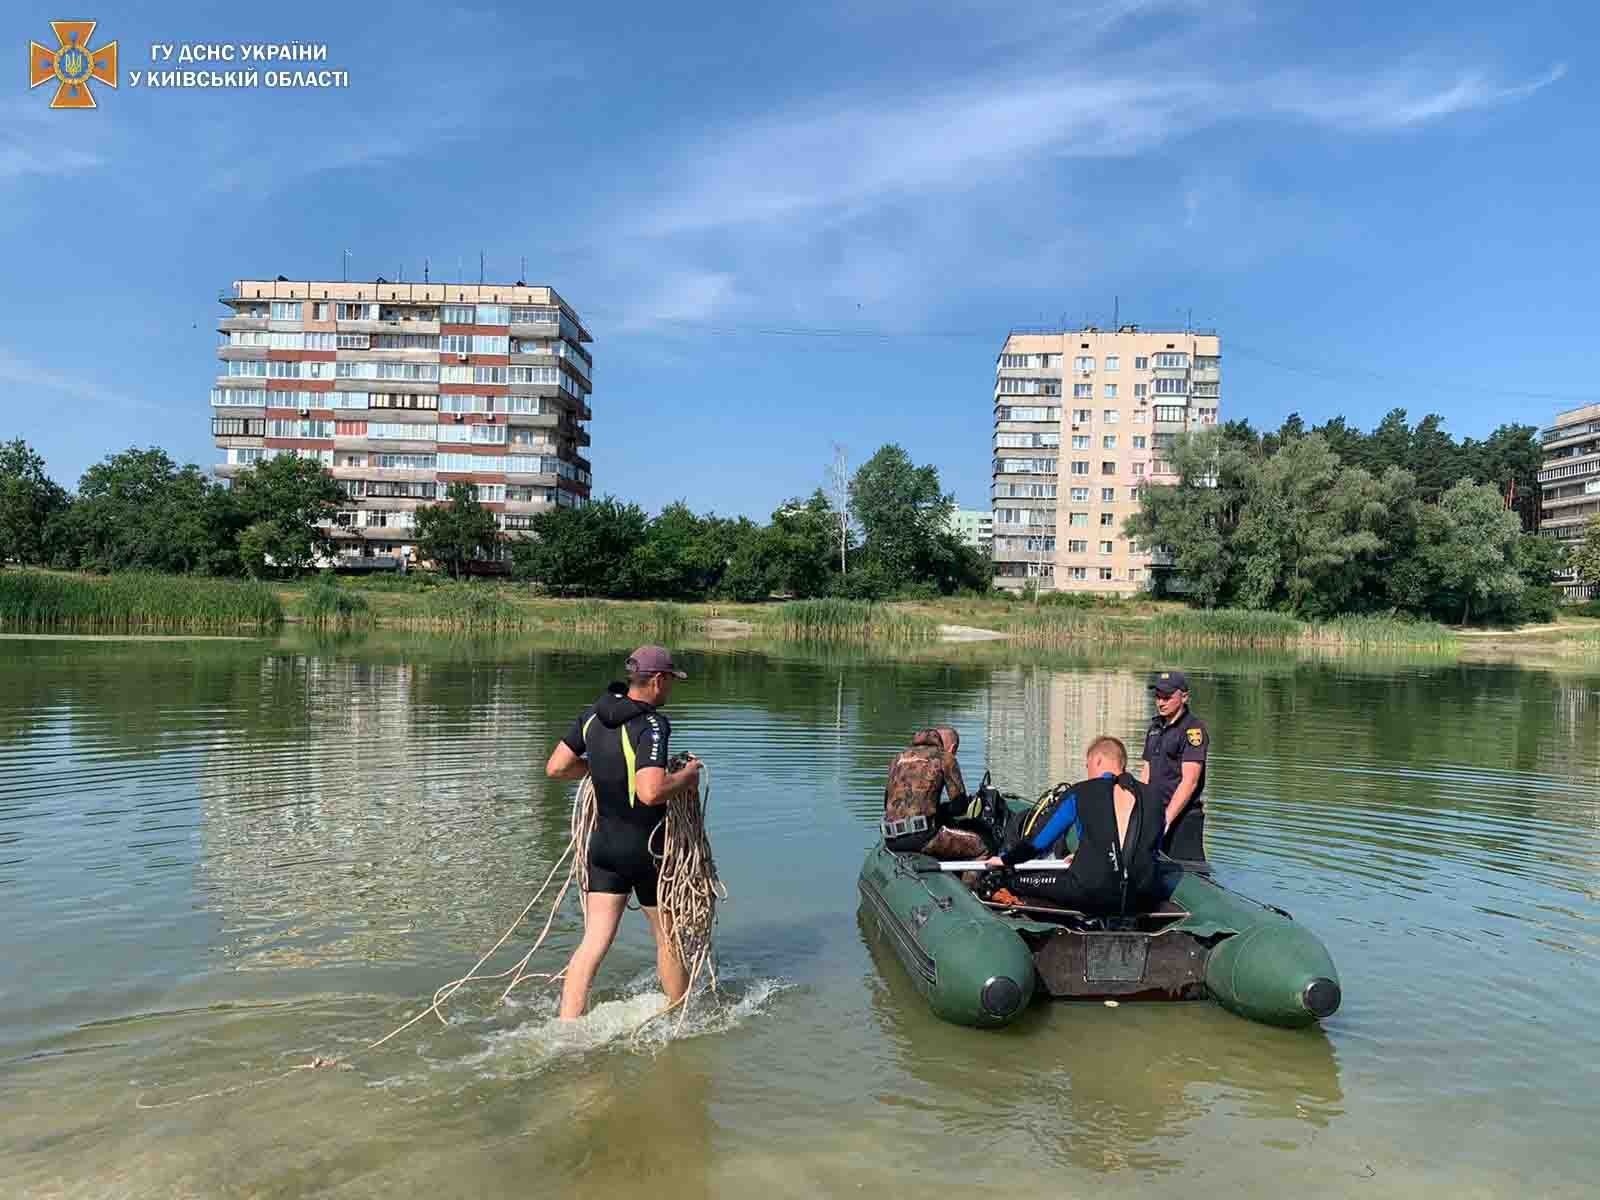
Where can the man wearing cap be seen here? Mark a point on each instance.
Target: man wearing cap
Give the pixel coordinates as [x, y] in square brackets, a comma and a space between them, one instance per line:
[620, 742]
[1174, 766]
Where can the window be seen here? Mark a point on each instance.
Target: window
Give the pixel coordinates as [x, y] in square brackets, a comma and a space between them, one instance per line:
[1078, 573]
[1027, 413]
[353, 341]
[238, 397]
[1113, 362]
[1133, 492]
[454, 373]
[1107, 496]
[1138, 468]
[1078, 520]
[455, 343]
[251, 337]
[1080, 468]
[1106, 547]
[1169, 412]
[257, 368]
[1172, 387]
[1141, 417]
[1013, 362]
[1082, 391]
[356, 312]
[1141, 390]
[457, 314]
[1110, 391]
[1105, 575]
[1080, 494]
[283, 370]
[1076, 546]
[1172, 360]
[535, 375]
[287, 341]
[285, 310]
[346, 399]
[1139, 441]
[1080, 441]
[1141, 363]
[1049, 441]
[237, 427]
[534, 315]
[1082, 416]
[492, 463]
[316, 370]
[1135, 574]
[1083, 363]
[1111, 416]
[1108, 442]
[476, 435]
[428, 372]
[319, 311]
[1108, 468]
[466, 404]
[402, 462]
[246, 456]
[299, 429]
[1108, 520]
[321, 341]
[494, 314]
[395, 431]
[349, 429]
[401, 400]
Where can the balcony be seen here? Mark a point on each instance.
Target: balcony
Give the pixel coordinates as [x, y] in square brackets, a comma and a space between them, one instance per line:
[242, 353]
[232, 324]
[1211, 375]
[1578, 467]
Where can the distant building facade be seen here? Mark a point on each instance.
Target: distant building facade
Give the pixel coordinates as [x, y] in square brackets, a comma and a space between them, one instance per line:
[402, 389]
[1570, 484]
[975, 527]
[1083, 419]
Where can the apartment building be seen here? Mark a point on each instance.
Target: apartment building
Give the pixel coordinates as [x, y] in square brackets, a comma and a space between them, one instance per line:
[974, 526]
[1081, 418]
[400, 390]
[1570, 483]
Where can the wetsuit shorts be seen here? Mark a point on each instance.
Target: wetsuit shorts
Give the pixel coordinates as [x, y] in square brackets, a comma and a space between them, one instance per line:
[620, 861]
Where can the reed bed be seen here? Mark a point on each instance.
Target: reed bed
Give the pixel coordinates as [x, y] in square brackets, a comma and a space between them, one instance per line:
[459, 606]
[832, 620]
[44, 600]
[1380, 632]
[326, 602]
[664, 622]
[1225, 627]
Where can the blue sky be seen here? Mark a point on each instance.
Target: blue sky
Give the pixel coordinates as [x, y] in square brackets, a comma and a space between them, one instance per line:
[788, 225]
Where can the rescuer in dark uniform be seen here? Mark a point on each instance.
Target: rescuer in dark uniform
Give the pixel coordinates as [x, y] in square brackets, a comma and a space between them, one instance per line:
[1174, 766]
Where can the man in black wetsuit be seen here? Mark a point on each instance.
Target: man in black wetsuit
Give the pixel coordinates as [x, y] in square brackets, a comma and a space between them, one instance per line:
[620, 741]
[1113, 872]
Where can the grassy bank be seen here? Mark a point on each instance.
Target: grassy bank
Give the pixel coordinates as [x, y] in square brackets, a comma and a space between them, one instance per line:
[851, 621]
[35, 600]
[1047, 627]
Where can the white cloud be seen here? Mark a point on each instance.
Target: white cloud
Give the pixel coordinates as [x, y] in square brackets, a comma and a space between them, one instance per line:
[22, 373]
[1393, 100]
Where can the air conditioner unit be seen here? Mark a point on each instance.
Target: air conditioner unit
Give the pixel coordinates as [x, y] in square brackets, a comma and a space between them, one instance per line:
[461, 358]
[489, 417]
[305, 412]
[459, 418]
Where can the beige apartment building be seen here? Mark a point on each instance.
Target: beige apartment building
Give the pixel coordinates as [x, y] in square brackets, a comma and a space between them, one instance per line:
[1081, 418]
[402, 389]
[1570, 483]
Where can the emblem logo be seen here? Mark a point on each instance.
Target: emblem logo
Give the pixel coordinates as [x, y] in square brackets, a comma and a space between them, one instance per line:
[72, 64]
[1196, 737]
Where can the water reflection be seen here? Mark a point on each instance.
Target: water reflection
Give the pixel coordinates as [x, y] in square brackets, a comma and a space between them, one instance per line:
[1082, 1085]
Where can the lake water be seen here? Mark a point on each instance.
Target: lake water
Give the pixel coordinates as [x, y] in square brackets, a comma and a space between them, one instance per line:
[218, 860]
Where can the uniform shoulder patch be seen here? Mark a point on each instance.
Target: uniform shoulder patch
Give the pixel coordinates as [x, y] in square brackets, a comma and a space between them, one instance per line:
[1196, 735]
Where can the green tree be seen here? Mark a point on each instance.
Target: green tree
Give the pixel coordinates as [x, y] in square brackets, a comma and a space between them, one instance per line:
[582, 551]
[901, 512]
[295, 499]
[1585, 559]
[458, 531]
[1194, 520]
[1468, 543]
[30, 501]
[140, 511]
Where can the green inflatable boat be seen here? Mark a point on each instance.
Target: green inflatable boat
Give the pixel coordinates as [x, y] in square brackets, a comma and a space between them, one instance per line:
[980, 964]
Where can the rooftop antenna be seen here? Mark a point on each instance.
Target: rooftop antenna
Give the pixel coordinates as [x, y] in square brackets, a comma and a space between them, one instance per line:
[523, 274]
[425, 266]
[1116, 312]
[480, 268]
[344, 265]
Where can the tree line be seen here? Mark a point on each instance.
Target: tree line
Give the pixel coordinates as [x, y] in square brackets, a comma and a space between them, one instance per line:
[140, 510]
[1326, 521]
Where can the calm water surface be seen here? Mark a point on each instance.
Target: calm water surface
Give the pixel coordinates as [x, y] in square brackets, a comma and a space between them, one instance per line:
[220, 859]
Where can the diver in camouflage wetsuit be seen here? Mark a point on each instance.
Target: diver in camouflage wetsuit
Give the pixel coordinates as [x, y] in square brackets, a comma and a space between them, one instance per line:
[914, 819]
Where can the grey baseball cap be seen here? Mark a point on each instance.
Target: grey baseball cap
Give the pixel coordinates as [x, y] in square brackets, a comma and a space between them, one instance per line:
[647, 660]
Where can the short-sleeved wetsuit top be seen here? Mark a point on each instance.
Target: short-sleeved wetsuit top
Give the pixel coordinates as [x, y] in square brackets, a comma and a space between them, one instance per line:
[619, 736]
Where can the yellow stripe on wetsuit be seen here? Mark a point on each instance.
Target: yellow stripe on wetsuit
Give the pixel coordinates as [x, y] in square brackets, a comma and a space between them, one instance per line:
[628, 756]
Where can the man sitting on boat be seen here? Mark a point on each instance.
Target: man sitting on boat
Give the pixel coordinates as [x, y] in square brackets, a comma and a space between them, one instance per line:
[1114, 870]
[915, 821]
